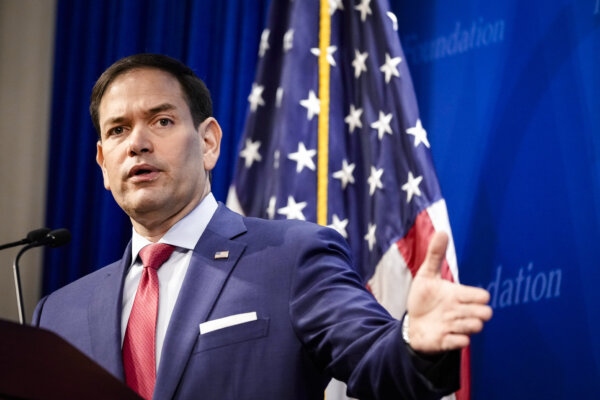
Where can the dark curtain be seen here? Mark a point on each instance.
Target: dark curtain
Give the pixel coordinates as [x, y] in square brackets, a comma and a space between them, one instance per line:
[217, 38]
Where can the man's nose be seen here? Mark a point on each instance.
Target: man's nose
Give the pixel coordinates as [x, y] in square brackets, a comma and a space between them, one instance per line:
[140, 141]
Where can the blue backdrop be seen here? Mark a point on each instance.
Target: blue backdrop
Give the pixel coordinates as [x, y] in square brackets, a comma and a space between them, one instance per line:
[509, 92]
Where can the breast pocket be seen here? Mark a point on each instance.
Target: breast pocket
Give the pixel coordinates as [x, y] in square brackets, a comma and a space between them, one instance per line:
[233, 334]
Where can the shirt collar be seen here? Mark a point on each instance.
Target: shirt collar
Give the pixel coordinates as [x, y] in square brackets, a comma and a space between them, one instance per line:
[185, 233]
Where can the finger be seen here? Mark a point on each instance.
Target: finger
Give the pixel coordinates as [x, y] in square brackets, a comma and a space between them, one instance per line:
[466, 326]
[479, 311]
[470, 294]
[454, 341]
[435, 255]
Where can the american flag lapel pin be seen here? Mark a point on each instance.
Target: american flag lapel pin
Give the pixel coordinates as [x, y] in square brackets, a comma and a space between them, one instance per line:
[222, 255]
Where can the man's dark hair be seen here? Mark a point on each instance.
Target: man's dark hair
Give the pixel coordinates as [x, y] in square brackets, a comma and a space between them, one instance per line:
[195, 91]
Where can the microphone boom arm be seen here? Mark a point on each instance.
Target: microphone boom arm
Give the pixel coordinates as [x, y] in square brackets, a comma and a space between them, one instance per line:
[17, 276]
[38, 237]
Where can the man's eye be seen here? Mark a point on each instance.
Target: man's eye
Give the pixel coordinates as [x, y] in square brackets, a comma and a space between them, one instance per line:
[117, 130]
[164, 121]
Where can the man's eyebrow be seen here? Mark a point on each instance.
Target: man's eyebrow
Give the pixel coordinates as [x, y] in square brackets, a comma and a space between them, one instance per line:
[160, 108]
[148, 113]
[114, 120]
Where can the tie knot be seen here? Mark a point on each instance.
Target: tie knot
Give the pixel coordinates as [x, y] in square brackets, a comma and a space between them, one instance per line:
[156, 254]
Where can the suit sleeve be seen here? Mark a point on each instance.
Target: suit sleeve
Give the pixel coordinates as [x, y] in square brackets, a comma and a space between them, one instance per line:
[350, 336]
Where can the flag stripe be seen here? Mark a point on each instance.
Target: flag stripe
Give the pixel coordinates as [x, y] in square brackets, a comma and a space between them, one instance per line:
[465, 375]
[439, 217]
[391, 281]
[413, 246]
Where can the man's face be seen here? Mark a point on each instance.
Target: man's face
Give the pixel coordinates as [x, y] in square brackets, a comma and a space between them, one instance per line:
[153, 159]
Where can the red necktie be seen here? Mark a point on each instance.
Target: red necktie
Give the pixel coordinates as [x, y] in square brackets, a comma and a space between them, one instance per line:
[139, 351]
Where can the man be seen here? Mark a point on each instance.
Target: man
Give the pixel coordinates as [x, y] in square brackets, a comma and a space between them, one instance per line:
[248, 309]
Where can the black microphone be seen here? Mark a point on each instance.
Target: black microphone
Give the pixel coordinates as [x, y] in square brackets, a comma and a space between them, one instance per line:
[36, 238]
[57, 237]
[33, 236]
[37, 234]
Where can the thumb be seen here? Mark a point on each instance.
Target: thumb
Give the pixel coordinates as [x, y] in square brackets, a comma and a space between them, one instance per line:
[435, 255]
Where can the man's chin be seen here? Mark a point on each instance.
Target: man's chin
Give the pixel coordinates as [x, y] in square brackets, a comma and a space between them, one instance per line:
[138, 208]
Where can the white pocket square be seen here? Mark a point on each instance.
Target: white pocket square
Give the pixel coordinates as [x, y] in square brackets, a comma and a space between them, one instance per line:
[225, 322]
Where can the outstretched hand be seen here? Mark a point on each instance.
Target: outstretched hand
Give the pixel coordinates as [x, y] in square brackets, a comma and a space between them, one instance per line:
[443, 314]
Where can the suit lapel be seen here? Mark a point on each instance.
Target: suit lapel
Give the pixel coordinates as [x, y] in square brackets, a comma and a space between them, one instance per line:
[105, 316]
[204, 280]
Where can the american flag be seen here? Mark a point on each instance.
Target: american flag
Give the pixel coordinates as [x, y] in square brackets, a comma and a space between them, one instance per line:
[383, 194]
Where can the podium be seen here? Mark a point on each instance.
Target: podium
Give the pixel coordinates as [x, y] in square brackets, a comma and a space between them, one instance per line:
[38, 364]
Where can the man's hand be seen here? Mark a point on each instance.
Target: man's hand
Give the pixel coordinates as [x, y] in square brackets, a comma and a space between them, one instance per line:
[443, 314]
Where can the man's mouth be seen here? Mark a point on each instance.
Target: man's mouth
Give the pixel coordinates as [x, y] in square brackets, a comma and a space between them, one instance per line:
[143, 172]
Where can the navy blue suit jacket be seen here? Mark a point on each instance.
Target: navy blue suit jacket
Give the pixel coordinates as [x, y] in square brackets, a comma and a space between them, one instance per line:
[314, 320]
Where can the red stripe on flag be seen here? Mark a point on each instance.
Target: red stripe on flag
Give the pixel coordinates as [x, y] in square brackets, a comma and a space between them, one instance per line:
[413, 248]
[464, 393]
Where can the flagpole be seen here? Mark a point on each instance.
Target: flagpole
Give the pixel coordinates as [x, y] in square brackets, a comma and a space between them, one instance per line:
[323, 148]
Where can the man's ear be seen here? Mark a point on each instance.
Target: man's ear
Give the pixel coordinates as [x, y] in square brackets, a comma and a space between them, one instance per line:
[211, 136]
[100, 161]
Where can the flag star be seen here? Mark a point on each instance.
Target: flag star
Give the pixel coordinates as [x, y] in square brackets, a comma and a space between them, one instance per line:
[312, 105]
[419, 133]
[383, 124]
[330, 50]
[412, 186]
[264, 42]
[374, 180]
[335, 5]
[288, 40]
[339, 225]
[392, 16]
[303, 158]
[255, 98]
[359, 62]
[293, 210]
[271, 207]
[353, 119]
[370, 236]
[345, 174]
[250, 153]
[278, 97]
[365, 9]
[390, 67]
